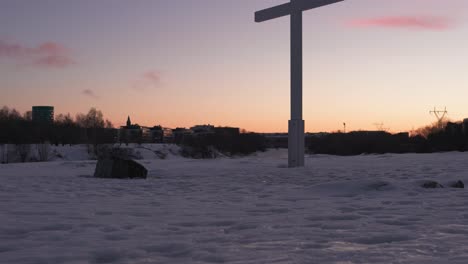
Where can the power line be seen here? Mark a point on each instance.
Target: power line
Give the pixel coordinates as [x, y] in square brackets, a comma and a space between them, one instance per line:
[380, 127]
[439, 114]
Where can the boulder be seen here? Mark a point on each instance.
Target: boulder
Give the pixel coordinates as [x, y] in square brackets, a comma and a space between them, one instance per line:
[457, 184]
[432, 185]
[120, 169]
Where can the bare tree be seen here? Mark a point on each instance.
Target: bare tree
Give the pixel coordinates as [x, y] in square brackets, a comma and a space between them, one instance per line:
[43, 151]
[14, 115]
[5, 113]
[9, 114]
[65, 120]
[109, 124]
[431, 129]
[27, 116]
[9, 153]
[80, 119]
[4, 153]
[93, 119]
[23, 151]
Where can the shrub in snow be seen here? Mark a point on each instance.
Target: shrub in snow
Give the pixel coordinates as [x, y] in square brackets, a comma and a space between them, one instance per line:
[23, 151]
[219, 144]
[43, 151]
[9, 154]
[109, 151]
[199, 152]
[4, 153]
[160, 154]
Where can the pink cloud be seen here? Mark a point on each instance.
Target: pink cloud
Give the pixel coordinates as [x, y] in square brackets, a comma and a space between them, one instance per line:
[90, 93]
[51, 48]
[48, 54]
[54, 61]
[412, 22]
[153, 76]
[148, 80]
[11, 50]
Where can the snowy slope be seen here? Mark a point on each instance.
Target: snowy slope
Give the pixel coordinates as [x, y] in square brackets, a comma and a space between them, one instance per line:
[82, 152]
[362, 209]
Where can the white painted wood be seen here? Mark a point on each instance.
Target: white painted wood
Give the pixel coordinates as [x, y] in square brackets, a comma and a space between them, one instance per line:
[296, 138]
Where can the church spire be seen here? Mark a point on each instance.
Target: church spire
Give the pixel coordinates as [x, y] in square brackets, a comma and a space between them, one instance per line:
[129, 123]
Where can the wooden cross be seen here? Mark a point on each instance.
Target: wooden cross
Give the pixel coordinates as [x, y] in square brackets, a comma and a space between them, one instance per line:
[296, 139]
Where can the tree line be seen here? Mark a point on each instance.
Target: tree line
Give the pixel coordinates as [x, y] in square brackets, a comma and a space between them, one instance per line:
[96, 131]
[93, 129]
[438, 137]
[17, 128]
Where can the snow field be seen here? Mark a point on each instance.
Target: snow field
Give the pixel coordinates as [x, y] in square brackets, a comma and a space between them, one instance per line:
[362, 209]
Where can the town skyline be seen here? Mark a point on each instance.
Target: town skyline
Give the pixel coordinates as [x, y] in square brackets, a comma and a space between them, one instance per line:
[183, 63]
[47, 114]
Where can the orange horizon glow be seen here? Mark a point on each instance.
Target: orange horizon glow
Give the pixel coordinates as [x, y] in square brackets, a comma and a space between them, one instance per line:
[270, 125]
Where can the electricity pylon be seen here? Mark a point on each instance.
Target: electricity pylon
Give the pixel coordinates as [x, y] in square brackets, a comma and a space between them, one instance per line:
[440, 115]
[380, 127]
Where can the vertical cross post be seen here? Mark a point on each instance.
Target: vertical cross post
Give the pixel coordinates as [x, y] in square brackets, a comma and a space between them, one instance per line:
[296, 138]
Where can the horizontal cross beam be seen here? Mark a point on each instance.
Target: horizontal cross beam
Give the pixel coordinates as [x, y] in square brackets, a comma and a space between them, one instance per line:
[289, 8]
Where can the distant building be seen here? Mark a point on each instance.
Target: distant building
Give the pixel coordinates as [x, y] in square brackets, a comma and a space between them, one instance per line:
[227, 131]
[369, 132]
[134, 133]
[202, 129]
[454, 128]
[129, 123]
[179, 133]
[131, 133]
[168, 137]
[131, 126]
[465, 126]
[317, 135]
[402, 136]
[156, 134]
[43, 114]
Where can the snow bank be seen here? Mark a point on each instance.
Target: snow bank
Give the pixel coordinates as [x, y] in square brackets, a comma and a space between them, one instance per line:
[9, 154]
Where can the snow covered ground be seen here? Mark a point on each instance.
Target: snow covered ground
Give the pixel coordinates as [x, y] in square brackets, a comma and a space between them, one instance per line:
[362, 209]
[9, 153]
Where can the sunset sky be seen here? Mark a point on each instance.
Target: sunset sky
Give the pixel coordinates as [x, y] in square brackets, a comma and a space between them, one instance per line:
[184, 62]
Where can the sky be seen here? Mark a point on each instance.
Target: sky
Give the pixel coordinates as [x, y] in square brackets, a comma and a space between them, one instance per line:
[179, 63]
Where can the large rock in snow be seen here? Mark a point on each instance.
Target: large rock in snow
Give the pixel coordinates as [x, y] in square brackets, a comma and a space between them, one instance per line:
[458, 184]
[120, 169]
[432, 185]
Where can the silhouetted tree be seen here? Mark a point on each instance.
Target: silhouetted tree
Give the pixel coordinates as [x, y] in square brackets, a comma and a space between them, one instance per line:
[64, 120]
[66, 130]
[4, 113]
[43, 151]
[15, 115]
[89, 128]
[108, 124]
[93, 119]
[431, 129]
[228, 141]
[97, 130]
[23, 151]
[27, 116]
[7, 114]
